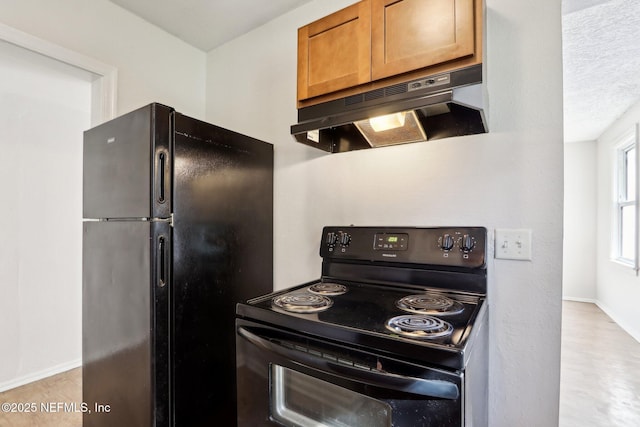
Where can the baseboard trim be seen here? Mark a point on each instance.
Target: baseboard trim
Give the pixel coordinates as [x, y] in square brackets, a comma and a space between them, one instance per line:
[35, 376]
[631, 330]
[580, 299]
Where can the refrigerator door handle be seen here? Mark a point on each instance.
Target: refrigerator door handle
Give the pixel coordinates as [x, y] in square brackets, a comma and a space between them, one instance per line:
[161, 176]
[163, 262]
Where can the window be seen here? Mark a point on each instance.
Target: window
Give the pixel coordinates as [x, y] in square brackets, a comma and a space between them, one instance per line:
[626, 241]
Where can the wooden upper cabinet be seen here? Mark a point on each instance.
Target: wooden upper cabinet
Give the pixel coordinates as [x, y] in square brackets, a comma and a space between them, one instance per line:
[374, 43]
[411, 34]
[335, 52]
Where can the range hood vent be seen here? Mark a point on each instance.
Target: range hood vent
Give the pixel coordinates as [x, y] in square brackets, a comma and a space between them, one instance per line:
[435, 107]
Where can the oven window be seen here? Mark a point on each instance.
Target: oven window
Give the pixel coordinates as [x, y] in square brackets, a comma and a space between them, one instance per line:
[299, 400]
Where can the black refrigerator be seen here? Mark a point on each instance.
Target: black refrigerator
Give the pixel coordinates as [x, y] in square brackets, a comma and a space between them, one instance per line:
[177, 228]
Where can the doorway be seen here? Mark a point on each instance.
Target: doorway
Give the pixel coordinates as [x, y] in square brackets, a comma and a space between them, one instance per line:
[46, 103]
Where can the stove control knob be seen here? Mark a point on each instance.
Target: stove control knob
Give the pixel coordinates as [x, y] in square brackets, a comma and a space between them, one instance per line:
[331, 238]
[446, 242]
[467, 243]
[345, 239]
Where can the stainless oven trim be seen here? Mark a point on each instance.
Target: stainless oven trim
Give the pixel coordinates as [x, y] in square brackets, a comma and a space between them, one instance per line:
[388, 380]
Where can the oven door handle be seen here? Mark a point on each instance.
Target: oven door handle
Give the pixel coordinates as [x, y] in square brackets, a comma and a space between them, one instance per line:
[430, 388]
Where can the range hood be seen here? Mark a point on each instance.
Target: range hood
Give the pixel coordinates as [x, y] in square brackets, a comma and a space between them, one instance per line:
[435, 107]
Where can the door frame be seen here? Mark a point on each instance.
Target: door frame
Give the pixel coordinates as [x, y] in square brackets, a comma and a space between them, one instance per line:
[103, 87]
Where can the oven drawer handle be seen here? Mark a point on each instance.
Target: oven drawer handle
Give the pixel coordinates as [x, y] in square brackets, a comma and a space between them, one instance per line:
[430, 388]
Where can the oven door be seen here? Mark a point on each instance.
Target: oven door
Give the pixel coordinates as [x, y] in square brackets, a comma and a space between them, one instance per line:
[288, 379]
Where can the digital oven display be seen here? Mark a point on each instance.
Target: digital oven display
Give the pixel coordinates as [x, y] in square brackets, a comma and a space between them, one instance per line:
[391, 242]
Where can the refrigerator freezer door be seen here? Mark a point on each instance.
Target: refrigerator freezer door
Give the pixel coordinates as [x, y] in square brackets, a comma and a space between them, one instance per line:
[223, 254]
[127, 166]
[125, 321]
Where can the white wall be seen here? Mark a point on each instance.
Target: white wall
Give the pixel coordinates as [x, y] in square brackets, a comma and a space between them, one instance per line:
[580, 207]
[153, 66]
[44, 107]
[511, 178]
[40, 282]
[618, 286]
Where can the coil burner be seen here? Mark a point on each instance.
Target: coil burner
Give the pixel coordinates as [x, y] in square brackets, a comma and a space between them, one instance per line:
[302, 302]
[432, 304]
[419, 326]
[328, 288]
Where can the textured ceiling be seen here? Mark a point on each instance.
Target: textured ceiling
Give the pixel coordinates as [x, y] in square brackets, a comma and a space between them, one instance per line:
[601, 60]
[207, 24]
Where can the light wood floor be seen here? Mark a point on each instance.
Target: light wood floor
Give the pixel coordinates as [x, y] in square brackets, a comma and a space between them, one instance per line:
[49, 397]
[600, 380]
[600, 384]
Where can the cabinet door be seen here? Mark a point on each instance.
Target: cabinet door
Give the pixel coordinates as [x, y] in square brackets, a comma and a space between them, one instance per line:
[411, 34]
[335, 52]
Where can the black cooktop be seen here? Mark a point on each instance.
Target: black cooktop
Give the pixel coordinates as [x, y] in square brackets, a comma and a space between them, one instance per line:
[380, 266]
[360, 315]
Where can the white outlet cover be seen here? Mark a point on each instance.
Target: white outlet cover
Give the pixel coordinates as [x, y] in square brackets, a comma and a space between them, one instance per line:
[513, 244]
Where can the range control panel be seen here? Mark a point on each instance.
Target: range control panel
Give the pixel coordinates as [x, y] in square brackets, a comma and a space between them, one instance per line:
[391, 242]
[449, 246]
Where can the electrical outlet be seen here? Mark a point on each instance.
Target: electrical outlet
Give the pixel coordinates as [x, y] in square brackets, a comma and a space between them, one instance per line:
[513, 244]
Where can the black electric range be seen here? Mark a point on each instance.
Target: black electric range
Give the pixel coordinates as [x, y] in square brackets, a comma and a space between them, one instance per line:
[386, 295]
